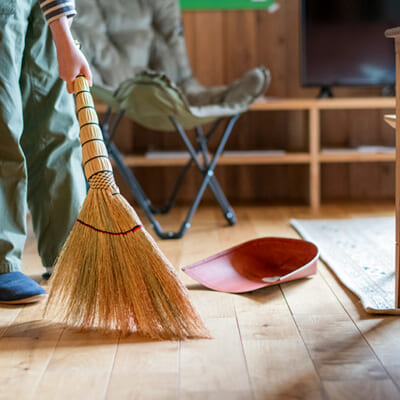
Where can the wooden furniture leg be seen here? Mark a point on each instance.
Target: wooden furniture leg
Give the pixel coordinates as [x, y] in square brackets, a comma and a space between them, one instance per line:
[395, 33]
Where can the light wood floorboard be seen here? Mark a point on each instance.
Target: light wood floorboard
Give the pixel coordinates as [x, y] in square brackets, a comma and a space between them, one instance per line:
[308, 339]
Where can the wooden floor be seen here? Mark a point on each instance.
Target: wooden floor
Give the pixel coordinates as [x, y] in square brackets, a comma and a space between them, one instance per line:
[306, 339]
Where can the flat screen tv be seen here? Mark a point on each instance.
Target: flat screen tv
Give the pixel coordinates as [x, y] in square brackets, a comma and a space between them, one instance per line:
[343, 43]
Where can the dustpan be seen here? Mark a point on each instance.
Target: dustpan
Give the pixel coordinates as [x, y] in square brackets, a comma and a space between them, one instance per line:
[256, 264]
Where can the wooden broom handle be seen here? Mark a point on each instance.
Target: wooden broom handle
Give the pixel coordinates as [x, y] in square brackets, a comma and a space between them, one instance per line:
[96, 163]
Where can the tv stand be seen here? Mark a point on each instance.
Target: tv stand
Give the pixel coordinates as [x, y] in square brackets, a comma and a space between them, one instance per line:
[315, 156]
[325, 92]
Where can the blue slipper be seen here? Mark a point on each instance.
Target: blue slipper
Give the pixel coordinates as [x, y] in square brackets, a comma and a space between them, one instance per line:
[17, 288]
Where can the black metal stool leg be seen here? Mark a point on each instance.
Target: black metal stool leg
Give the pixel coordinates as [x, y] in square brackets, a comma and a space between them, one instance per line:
[227, 209]
[206, 168]
[140, 196]
[109, 127]
[172, 197]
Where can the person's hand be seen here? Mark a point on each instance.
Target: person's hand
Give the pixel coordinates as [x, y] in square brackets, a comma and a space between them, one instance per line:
[71, 61]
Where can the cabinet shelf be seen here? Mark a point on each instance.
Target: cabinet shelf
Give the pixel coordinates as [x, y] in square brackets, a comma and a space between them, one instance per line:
[351, 103]
[354, 155]
[314, 157]
[160, 159]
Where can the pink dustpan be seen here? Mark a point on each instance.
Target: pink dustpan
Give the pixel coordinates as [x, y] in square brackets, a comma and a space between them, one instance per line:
[256, 264]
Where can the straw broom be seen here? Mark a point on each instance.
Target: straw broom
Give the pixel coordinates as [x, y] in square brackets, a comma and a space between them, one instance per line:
[110, 274]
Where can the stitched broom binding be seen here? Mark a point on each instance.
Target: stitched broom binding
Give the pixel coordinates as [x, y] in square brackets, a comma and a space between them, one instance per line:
[96, 163]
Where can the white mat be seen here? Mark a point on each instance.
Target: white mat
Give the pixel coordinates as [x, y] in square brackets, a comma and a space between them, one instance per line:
[361, 252]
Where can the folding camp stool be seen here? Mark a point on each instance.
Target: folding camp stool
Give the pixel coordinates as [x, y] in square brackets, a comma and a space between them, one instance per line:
[206, 167]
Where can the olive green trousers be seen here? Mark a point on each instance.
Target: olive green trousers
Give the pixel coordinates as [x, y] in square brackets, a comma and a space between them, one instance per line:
[40, 154]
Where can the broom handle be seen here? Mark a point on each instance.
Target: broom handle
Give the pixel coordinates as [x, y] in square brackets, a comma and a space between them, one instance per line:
[96, 162]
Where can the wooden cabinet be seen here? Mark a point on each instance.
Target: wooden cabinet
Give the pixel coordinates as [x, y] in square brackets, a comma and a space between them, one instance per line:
[313, 156]
[395, 34]
[316, 156]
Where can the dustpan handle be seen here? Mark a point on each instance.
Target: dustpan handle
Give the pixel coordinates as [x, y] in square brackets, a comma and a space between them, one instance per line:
[96, 162]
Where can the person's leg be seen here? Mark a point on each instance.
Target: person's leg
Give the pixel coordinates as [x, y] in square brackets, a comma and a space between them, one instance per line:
[56, 184]
[13, 25]
[15, 288]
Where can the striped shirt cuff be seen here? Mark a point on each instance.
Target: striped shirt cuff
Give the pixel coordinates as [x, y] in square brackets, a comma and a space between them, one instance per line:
[54, 9]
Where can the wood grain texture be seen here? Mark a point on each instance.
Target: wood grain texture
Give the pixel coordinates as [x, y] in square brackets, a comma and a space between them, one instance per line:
[222, 45]
[152, 366]
[307, 339]
[271, 343]
[81, 363]
[397, 175]
[26, 348]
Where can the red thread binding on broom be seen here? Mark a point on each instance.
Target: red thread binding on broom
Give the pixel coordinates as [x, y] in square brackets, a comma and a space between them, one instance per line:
[134, 229]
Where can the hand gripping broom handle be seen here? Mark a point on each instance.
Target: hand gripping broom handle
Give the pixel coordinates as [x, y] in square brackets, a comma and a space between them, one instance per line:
[96, 163]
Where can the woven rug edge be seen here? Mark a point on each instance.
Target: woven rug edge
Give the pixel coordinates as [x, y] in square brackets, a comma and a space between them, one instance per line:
[296, 224]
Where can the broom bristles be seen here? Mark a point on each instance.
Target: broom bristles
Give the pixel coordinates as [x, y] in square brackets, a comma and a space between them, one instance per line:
[111, 275]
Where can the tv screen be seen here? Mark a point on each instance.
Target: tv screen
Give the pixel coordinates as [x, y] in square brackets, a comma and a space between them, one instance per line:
[343, 42]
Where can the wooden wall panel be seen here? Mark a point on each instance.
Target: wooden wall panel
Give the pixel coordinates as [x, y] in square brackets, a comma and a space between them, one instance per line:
[222, 45]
